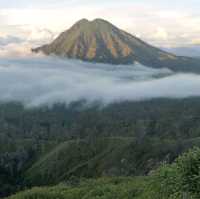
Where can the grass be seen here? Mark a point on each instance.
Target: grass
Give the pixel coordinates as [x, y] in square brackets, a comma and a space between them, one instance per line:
[103, 188]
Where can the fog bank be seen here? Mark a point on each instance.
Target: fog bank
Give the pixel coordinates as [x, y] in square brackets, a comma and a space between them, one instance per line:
[41, 80]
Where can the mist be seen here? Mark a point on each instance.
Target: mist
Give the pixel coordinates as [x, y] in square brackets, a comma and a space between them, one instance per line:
[37, 81]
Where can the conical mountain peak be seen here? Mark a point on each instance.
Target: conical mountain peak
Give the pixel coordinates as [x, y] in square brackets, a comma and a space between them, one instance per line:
[100, 41]
[83, 21]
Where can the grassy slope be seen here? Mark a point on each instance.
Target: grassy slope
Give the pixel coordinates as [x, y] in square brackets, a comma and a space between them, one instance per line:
[175, 181]
[104, 188]
[79, 158]
[103, 157]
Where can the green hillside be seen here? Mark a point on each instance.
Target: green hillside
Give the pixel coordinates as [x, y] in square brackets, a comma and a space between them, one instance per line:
[105, 188]
[103, 157]
[81, 158]
[48, 145]
[176, 181]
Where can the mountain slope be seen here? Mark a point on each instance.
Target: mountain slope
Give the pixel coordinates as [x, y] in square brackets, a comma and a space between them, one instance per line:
[103, 157]
[190, 51]
[83, 159]
[100, 41]
[178, 180]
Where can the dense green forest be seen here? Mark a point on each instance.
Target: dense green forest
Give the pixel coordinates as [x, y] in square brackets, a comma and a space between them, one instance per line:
[63, 146]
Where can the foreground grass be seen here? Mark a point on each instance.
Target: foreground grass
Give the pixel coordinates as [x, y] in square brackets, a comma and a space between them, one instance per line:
[180, 180]
[103, 188]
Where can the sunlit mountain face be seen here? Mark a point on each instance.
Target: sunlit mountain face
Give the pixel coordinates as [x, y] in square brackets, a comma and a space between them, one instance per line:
[100, 41]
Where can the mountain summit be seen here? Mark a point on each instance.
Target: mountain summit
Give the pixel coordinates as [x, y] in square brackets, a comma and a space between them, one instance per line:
[100, 41]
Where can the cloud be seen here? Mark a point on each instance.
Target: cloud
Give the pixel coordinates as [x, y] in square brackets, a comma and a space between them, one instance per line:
[35, 34]
[161, 34]
[196, 41]
[161, 26]
[27, 37]
[3, 35]
[16, 50]
[38, 81]
[8, 39]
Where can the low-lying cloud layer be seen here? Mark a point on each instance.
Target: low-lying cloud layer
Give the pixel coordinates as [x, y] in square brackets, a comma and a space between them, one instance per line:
[37, 81]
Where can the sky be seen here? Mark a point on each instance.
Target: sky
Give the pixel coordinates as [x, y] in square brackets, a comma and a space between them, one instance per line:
[26, 24]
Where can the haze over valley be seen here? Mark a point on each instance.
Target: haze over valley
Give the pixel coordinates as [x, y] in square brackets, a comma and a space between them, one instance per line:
[38, 81]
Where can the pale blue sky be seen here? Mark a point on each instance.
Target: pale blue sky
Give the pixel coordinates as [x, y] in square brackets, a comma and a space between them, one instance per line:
[159, 22]
[178, 4]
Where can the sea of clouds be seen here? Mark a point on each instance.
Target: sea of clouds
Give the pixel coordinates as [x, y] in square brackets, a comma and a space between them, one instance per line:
[43, 80]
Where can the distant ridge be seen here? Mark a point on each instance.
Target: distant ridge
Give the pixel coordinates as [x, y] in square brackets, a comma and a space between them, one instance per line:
[100, 41]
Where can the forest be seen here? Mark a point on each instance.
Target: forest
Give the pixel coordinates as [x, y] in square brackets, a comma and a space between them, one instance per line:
[69, 149]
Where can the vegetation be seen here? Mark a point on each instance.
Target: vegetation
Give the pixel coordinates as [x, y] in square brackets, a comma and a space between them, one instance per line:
[176, 181]
[107, 188]
[44, 146]
[101, 157]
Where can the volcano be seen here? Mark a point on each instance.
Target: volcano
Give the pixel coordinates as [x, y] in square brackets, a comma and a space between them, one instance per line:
[100, 41]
